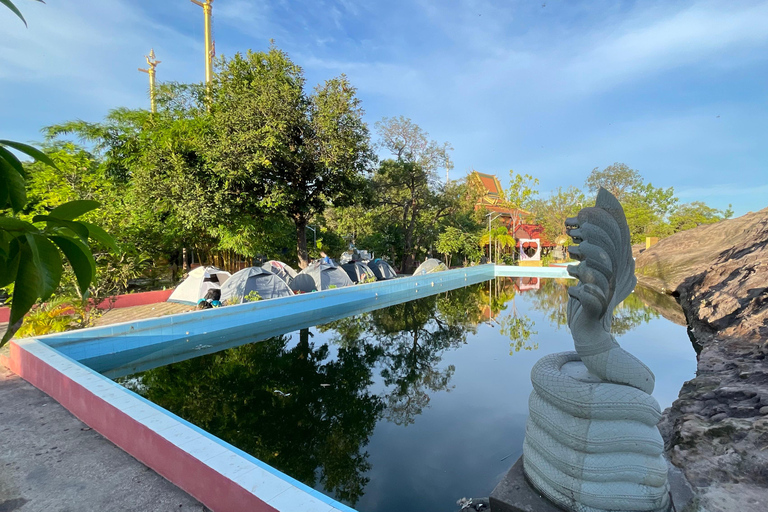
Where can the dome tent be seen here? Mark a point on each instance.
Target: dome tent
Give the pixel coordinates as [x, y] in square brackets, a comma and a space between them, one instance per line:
[429, 266]
[282, 270]
[381, 269]
[320, 276]
[359, 272]
[197, 283]
[243, 284]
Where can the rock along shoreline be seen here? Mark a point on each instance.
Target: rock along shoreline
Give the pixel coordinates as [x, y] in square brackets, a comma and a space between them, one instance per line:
[717, 429]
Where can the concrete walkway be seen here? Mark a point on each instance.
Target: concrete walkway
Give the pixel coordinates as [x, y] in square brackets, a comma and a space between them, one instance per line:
[50, 461]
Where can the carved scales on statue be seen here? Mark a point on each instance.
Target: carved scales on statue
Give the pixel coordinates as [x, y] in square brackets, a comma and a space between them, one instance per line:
[591, 443]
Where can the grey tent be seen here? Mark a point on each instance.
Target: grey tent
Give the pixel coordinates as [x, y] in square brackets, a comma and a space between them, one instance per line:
[282, 270]
[358, 272]
[382, 270]
[243, 284]
[320, 276]
[429, 266]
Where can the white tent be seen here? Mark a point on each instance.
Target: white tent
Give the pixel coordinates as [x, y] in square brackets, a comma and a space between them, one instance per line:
[197, 284]
[429, 266]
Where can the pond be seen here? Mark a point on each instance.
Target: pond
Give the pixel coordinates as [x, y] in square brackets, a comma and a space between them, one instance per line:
[409, 407]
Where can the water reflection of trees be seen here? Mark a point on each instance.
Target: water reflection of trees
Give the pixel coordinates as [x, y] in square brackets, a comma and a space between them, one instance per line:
[411, 339]
[310, 412]
[296, 408]
[552, 300]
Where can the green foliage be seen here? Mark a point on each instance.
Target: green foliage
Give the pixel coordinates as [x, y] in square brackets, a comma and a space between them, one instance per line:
[30, 250]
[58, 315]
[521, 191]
[409, 143]
[551, 212]
[278, 148]
[618, 179]
[651, 211]
[252, 296]
[696, 213]
[14, 9]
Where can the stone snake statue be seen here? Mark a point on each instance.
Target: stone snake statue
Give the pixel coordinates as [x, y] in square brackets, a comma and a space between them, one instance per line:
[591, 443]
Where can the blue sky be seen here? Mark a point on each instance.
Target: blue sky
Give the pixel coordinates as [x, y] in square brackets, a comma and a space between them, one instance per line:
[677, 90]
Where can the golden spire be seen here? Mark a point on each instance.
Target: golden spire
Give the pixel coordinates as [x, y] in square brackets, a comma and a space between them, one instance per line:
[151, 64]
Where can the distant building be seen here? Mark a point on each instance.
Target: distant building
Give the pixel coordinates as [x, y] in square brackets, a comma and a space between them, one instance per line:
[492, 200]
[518, 222]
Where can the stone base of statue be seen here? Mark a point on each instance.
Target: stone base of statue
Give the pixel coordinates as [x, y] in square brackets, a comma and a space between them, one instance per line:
[515, 494]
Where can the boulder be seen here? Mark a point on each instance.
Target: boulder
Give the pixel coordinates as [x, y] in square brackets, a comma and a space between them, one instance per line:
[717, 430]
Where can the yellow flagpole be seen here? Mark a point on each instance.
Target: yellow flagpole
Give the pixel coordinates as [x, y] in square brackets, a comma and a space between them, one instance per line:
[209, 48]
[151, 65]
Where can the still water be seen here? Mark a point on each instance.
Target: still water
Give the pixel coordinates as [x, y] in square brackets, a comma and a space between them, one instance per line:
[405, 408]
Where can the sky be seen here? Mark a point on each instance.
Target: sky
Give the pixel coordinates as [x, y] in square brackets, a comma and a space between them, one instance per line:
[551, 88]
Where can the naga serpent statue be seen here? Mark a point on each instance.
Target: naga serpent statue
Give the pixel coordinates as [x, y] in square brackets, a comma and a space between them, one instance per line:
[591, 442]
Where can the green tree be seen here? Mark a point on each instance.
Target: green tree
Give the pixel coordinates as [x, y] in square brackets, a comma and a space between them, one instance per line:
[411, 204]
[409, 143]
[646, 207]
[618, 179]
[519, 195]
[696, 213]
[551, 212]
[278, 148]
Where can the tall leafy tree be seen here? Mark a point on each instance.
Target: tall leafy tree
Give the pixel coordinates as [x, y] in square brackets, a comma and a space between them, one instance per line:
[552, 211]
[619, 179]
[520, 194]
[412, 202]
[279, 148]
[694, 214]
[408, 142]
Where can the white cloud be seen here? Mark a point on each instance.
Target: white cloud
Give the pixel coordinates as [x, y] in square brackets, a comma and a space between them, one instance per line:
[89, 51]
[702, 33]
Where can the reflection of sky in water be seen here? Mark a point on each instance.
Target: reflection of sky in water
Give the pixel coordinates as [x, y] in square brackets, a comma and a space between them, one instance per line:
[471, 431]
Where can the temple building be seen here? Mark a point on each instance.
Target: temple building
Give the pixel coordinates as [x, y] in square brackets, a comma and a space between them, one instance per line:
[519, 223]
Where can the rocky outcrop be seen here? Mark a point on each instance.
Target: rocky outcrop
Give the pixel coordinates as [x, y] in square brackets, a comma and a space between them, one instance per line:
[717, 430]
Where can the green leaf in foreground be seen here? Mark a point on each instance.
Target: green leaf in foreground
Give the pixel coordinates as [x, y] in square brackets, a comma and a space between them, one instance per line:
[46, 258]
[27, 288]
[79, 256]
[77, 228]
[29, 151]
[11, 159]
[73, 209]
[13, 9]
[101, 236]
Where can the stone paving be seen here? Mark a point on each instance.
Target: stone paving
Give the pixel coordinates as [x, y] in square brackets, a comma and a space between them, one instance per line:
[132, 313]
[50, 461]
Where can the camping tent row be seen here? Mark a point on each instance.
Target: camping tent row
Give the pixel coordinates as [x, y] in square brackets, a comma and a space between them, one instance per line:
[320, 275]
[276, 279]
[252, 283]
